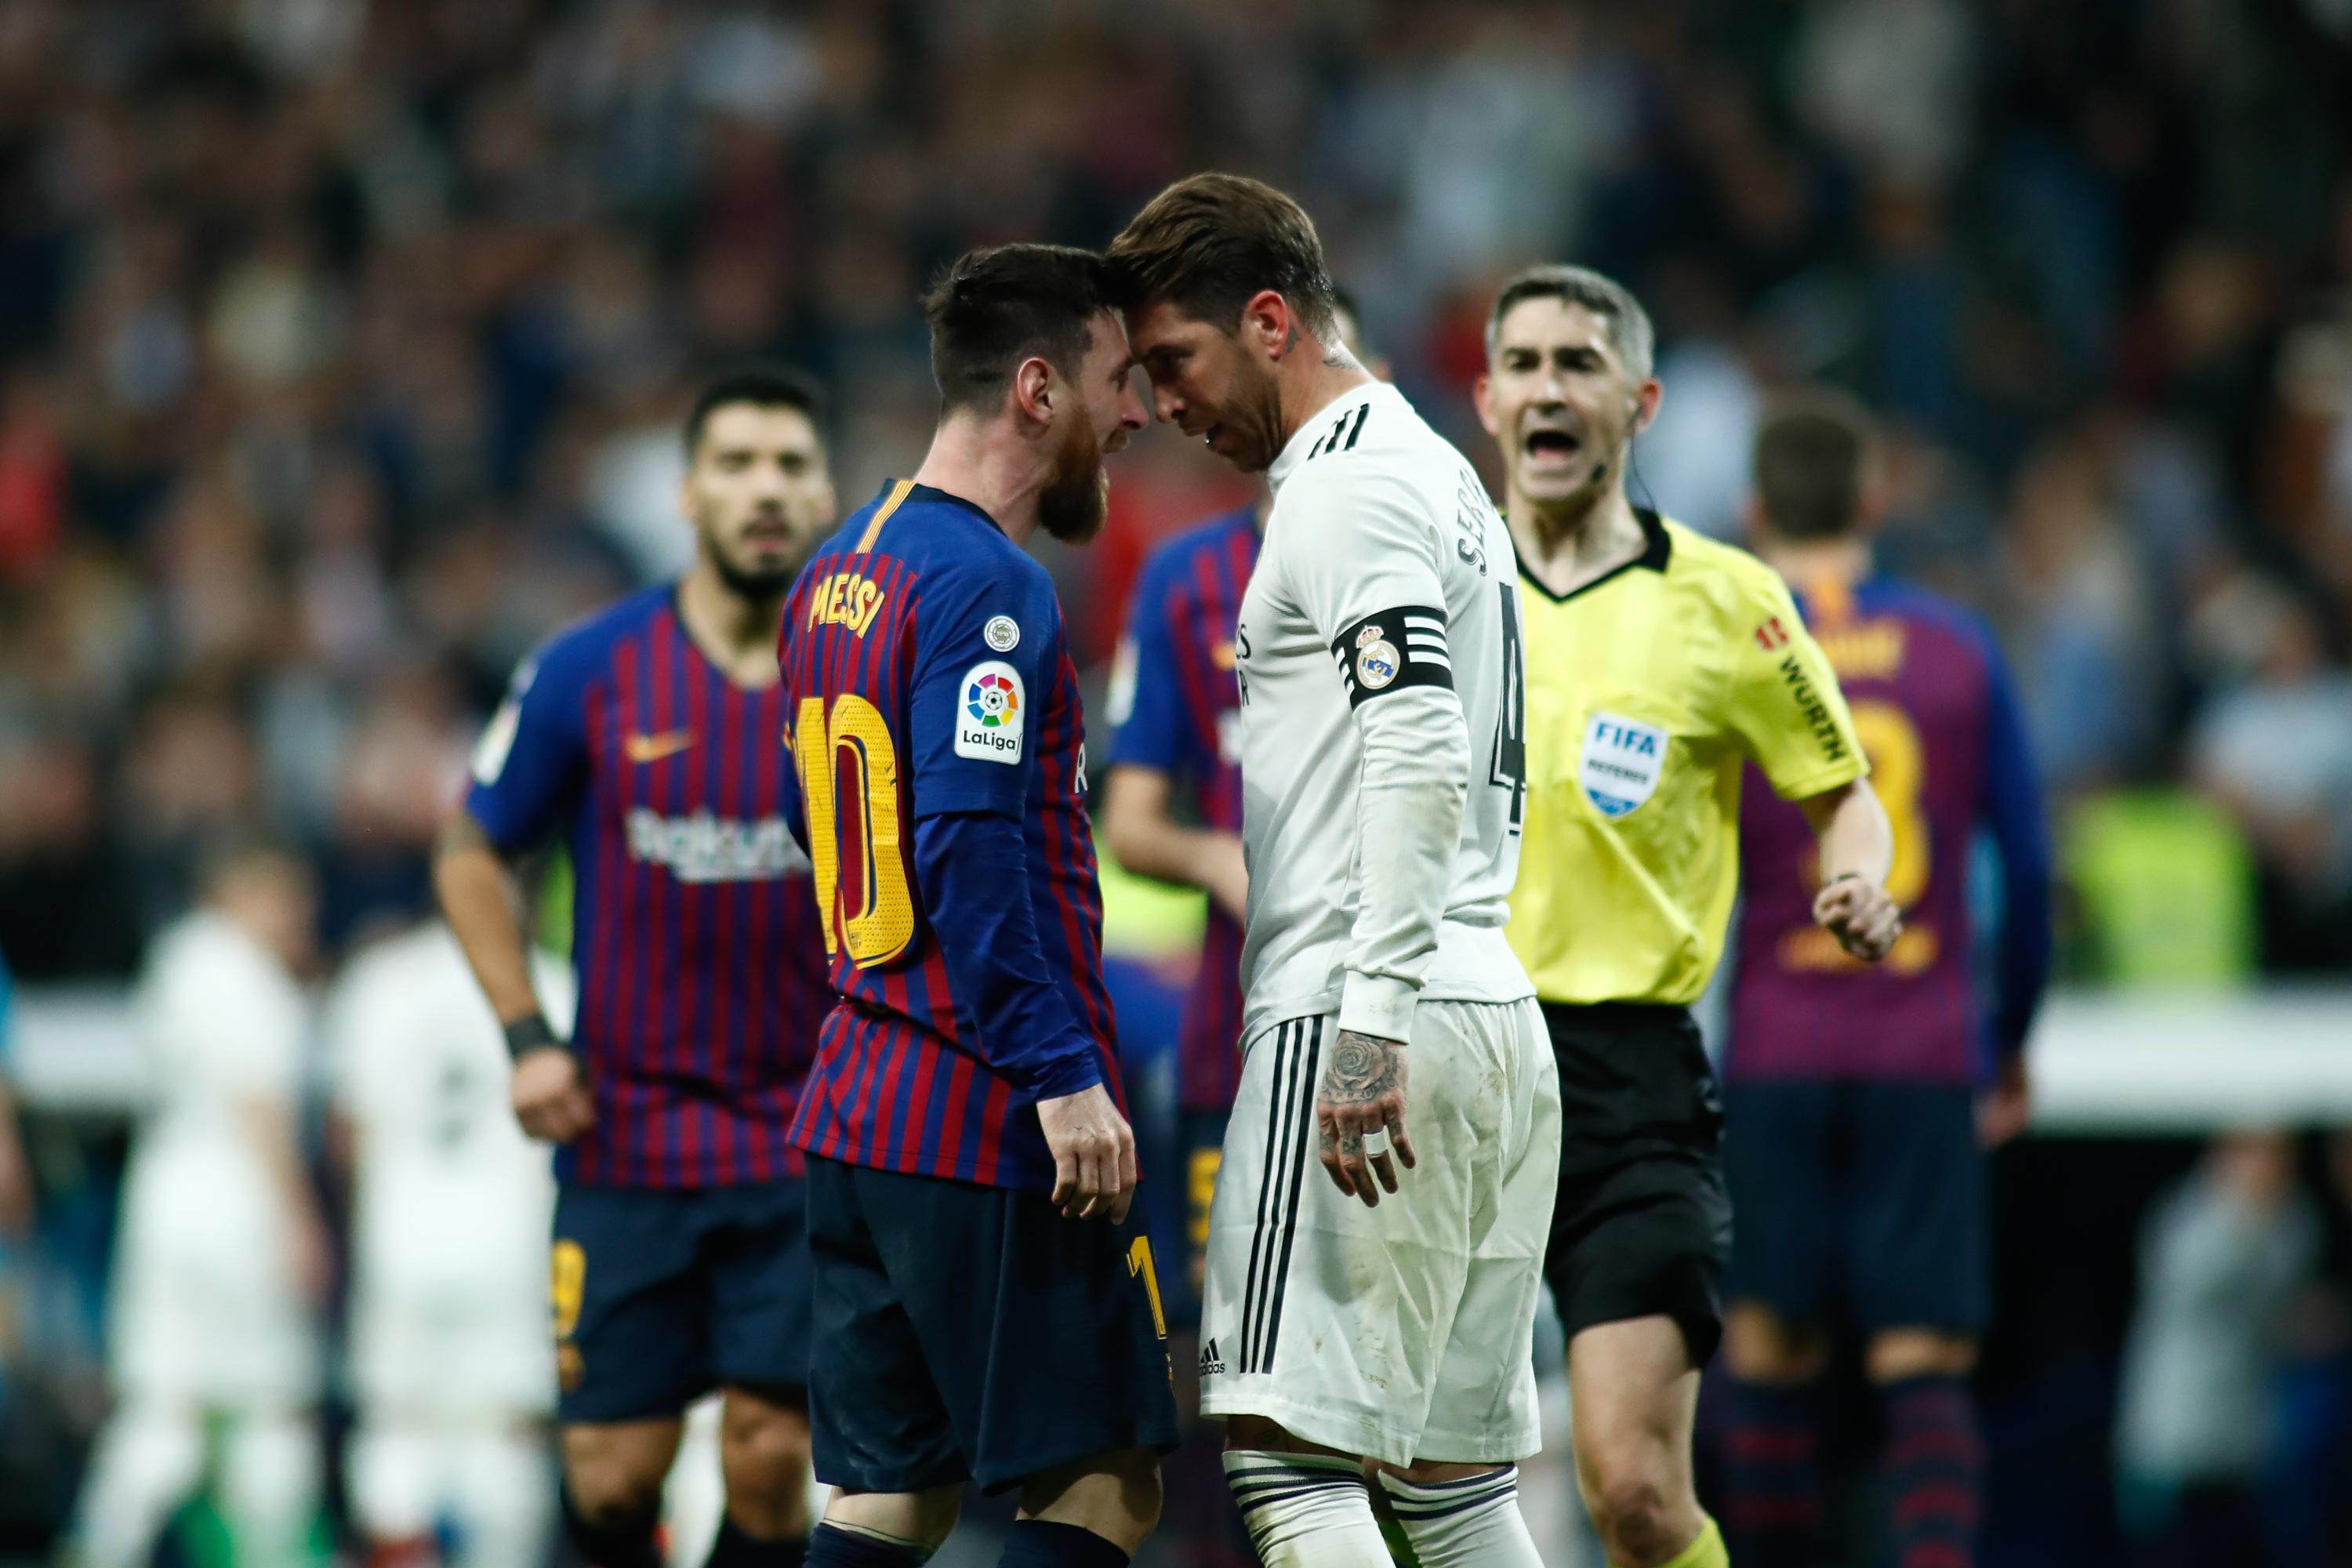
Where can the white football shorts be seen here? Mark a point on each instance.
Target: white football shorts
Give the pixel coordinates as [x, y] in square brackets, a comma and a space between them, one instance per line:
[1403, 1332]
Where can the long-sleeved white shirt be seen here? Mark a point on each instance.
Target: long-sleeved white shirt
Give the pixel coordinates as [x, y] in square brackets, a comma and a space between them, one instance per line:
[1382, 739]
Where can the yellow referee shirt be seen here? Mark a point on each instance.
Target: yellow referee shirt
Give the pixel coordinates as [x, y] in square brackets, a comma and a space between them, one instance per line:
[1647, 688]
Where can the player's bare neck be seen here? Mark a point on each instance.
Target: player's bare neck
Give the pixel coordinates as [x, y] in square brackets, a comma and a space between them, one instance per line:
[1804, 562]
[1567, 544]
[987, 463]
[1312, 378]
[736, 634]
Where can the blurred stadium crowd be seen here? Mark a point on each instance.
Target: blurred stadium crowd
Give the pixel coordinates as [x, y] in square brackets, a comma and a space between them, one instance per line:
[343, 346]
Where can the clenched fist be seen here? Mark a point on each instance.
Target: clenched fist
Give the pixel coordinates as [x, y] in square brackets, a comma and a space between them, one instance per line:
[549, 1095]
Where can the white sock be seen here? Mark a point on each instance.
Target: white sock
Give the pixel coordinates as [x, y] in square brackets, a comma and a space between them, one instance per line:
[503, 1482]
[148, 1460]
[390, 1476]
[694, 1499]
[1305, 1510]
[1456, 1525]
[269, 1487]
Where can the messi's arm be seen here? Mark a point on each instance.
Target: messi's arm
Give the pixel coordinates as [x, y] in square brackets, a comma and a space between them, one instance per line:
[1363, 567]
[972, 868]
[526, 769]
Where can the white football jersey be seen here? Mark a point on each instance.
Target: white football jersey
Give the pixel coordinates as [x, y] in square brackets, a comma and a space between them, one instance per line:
[450, 1197]
[226, 1026]
[1382, 691]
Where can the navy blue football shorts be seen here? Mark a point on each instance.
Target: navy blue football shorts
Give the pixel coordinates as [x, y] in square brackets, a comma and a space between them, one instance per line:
[1859, 1205]
[662, 1295]
[970, 1332]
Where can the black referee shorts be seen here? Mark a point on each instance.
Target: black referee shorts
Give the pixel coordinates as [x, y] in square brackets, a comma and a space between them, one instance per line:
[1642, 1224]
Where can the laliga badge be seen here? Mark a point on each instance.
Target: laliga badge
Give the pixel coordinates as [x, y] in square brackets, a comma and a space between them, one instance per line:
[1377, 659]
[989, 723]
[1622, 760]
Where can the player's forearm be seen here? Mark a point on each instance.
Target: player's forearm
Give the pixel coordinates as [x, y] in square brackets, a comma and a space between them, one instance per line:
[973, 871]
[1410, 799]
[481, 899]
[1150, 843]
[2024, 841]
[1850, 830]
[270, 1130]
[1189, 857]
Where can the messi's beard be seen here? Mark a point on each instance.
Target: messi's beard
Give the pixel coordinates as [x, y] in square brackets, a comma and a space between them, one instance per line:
[1073, 504]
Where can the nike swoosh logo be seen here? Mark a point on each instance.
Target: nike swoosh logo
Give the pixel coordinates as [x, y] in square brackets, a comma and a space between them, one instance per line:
[654, 748]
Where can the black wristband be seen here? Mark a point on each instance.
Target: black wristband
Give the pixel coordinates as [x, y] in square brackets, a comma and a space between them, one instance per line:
[528, 1033]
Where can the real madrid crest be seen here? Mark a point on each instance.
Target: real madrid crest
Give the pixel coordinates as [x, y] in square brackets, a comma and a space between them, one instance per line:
[1377, 659]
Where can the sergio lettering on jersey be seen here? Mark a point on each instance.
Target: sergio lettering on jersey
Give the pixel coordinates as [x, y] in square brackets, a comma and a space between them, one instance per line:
[994, 711]
[704, 847]
[846, 599]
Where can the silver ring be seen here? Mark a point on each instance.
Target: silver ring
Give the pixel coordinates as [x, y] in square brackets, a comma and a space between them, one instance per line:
[1376, 1143]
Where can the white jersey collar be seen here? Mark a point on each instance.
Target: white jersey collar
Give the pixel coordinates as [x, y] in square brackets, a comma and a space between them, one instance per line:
[1319, 425]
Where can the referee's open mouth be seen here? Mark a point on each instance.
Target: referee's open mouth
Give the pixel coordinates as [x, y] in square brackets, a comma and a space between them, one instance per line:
[1548, 445]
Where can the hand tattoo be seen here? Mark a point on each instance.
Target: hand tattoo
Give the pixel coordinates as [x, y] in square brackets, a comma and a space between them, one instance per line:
[1361, 1069]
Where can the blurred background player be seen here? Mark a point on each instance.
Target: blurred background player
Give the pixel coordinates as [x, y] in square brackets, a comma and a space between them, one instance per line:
[448, 1298]
[1657, 661]
[1171, 810]
[645, 741]
[222, 1262]
[1860, 1097]
[1378, 662]
[986, 1309]
[2228, 1258]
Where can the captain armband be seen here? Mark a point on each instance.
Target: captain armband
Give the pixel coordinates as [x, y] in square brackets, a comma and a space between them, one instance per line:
[1394, 649]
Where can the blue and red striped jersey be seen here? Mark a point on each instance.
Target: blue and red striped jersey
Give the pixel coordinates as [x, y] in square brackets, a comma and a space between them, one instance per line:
[1935, 712]
[695, 938]
[1178, 710]
[940, 756]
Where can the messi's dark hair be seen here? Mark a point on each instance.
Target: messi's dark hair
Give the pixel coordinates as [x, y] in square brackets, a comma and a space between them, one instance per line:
[1209, 243]
[997, 307]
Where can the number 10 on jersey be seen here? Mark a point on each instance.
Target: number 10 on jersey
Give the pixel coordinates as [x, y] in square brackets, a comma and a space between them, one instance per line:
[854, 831]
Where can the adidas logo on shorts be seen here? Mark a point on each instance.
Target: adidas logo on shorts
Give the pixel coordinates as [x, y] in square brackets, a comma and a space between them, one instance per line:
[1212, 1364]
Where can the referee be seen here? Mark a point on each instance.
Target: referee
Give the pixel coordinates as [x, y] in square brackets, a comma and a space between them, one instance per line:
[1659, 662]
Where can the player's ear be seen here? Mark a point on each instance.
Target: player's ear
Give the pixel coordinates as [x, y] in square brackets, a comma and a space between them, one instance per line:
[1034, 389]
[1480, 396]
[1266, 321]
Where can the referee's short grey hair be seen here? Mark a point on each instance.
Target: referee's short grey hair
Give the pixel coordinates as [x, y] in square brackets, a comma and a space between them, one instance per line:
[1628, 325]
